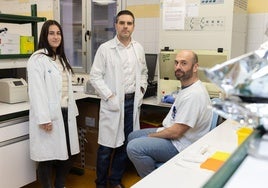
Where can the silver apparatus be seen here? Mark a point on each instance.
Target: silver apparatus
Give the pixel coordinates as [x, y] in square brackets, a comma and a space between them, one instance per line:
[245, 82]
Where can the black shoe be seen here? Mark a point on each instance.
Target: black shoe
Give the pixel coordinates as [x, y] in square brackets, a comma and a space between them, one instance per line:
[118, 186]
[101, 186]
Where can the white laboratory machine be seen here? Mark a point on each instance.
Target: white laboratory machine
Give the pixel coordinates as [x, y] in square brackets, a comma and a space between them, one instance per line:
[13, 90]
[168, 83]
[204, 25]
[216, 30]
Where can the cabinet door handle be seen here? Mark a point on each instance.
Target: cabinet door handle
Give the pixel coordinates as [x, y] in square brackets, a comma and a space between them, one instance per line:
[88, 33]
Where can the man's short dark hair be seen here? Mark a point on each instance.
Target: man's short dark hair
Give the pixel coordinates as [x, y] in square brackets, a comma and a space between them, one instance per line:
[124, 12]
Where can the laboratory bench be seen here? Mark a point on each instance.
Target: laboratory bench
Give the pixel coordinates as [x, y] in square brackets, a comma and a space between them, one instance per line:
[14, 139]
[88, 124]
[15, 162]
[186, 169]
[176, 172]
[7, 109]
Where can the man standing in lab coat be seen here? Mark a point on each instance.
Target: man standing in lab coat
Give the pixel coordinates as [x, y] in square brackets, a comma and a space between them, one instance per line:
[119, 75]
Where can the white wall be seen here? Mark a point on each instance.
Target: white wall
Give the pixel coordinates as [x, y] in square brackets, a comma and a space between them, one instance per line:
[146, 28]
[146, 31]
[23, 7]
[257, 28]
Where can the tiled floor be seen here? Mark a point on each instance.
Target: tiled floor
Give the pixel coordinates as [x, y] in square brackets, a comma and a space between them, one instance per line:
[87, 179]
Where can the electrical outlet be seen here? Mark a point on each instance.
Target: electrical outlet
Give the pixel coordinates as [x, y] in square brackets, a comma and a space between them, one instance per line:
[80, 79]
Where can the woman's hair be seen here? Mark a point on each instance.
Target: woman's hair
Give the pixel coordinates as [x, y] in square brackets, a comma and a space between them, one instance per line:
[43, 43]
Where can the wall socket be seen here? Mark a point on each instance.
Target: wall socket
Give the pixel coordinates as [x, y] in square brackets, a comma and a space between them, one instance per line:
[80, 78]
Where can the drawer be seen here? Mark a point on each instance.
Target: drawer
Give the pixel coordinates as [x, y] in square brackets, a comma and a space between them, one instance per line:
[14, 128]
[17, 169]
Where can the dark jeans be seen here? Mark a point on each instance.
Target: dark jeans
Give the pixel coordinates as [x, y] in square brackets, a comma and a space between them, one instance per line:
[111, 162]
[62, 168]
[45, 172]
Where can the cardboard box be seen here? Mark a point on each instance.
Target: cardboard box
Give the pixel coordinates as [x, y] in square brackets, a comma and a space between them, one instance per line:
[88, 113]
[87, 157]
[88, 123]
[26, 44]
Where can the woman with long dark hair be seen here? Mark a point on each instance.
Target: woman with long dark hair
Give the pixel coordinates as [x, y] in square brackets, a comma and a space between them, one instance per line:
[53, 130]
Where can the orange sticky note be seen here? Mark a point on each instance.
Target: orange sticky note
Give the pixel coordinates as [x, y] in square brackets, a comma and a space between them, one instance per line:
[212, 164]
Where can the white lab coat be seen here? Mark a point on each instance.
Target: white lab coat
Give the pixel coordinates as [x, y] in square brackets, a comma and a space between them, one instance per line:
[44, 87]
[106, 76]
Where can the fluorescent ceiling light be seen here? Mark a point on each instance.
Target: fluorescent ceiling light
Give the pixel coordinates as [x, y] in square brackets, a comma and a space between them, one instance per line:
[104, 2]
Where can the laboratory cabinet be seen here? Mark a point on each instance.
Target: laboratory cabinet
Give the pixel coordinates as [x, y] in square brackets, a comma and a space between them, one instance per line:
[17, 169]
[86, 25]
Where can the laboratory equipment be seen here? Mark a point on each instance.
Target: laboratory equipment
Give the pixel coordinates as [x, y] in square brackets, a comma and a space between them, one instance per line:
[13, 90]
[168, 83]
[151, 62]
[204, 25]
[244, 81]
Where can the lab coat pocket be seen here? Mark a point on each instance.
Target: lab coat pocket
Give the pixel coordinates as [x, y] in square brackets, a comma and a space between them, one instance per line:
[53, 111]
[113, 104]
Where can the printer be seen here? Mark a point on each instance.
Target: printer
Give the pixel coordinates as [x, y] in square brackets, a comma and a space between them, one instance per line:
[13, 90]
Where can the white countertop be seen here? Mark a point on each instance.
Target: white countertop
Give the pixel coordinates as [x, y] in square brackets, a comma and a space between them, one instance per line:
[6, 108]
[153, 101]
[180, 173]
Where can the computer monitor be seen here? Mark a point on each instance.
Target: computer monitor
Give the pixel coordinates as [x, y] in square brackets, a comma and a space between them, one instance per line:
[151, 61]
